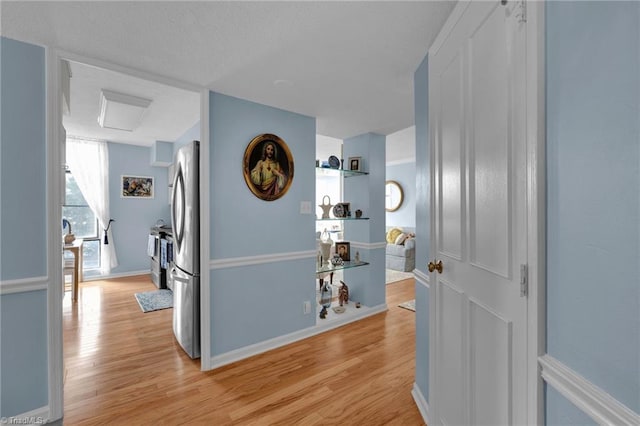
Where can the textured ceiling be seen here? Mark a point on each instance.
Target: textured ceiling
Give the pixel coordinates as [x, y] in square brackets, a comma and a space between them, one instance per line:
[350, 64]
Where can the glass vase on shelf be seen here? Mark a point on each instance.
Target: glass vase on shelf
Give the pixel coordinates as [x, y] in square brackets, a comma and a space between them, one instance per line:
[325, 298]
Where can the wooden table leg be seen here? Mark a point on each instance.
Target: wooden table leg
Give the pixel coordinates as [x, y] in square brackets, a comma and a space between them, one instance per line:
[76, 275]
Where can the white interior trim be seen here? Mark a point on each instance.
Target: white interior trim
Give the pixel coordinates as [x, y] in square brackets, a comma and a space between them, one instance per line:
[536, 208]
[279, 341]
[55, 177]
[23, 285]
[421, 278]
[369, 246]
[86, 278]
[451, 21]
[205, 233]
[38, 416]
[589, 398]
[232, 262]
[54, 194]
[421, 402]
[399, 162]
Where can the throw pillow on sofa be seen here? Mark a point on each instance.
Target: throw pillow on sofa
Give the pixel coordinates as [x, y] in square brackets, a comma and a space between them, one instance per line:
[393, 234]
[401, 238]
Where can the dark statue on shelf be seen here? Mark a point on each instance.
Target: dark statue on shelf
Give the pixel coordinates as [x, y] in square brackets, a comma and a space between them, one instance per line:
[343, 294]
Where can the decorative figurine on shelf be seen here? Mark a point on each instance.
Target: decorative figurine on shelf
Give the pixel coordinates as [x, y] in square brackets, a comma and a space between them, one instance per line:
[358, 214]
[326, 207]
[357, 257]
[325, 246]
[343, 294]
[337, 260]
[323, 313]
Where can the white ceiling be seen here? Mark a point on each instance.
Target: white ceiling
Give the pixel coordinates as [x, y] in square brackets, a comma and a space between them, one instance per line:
[349, 64]
[171, 113]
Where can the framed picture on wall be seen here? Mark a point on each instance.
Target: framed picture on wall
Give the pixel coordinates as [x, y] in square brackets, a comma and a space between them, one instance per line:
[268, 167]
[343, 249]
[355, 164]
[136, 186]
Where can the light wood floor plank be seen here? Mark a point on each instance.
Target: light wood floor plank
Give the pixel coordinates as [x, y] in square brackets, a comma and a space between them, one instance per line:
[123, 366]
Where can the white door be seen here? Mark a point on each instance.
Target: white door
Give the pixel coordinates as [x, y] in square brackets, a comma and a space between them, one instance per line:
[478, 165]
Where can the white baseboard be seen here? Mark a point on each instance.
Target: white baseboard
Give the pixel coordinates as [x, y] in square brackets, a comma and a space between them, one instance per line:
[38, 416]
[589, 398]
[421, 402]
[277, 342]
[118, 275]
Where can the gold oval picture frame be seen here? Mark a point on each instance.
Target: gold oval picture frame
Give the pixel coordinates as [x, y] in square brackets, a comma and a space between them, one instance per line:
[268, 167]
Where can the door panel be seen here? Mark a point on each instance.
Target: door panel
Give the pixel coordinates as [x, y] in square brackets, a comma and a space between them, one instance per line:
[450, 302]
[451, 202]
[489, 163]
[479, 213]
[489, 349]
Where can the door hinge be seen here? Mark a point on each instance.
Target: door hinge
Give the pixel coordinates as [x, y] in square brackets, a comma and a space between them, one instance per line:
[519, 10]
[524, 280]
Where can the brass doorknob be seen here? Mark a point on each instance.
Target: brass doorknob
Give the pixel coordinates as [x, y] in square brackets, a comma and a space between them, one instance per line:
[435, 266]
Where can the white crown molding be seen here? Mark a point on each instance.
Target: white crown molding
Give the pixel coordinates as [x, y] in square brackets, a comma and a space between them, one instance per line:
[23, 285]
[589, 398]
[421, 402]
[233, 262]
[277, 342]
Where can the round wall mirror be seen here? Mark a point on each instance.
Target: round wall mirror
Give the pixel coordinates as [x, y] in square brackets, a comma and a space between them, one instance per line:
[393, 195]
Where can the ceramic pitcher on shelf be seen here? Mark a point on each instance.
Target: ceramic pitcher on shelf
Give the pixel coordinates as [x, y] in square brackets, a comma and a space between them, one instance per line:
[325, 246]
[326, 207]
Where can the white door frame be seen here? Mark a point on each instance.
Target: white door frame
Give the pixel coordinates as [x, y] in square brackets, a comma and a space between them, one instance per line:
[55, 191]
[536, 208]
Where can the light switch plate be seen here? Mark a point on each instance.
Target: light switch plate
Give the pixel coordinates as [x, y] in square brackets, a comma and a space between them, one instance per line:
[305, 207]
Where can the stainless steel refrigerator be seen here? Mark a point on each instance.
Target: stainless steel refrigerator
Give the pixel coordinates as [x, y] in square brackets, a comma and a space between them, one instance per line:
[185, 218]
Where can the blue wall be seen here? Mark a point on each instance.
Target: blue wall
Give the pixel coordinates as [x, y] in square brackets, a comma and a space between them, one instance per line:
[593, 156]
[23, 162]
[258, 301]
[134, 216]
[366, 284]
[23, 216]
[405, 175]
[422, 217]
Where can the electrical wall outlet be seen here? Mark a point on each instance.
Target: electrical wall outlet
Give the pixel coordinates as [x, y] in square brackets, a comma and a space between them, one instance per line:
[306, 306]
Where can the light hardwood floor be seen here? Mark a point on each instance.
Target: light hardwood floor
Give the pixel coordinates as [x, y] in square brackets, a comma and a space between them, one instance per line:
[124, 367]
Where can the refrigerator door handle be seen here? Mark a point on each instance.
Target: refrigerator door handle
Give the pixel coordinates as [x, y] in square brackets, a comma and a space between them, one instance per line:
[178, 208]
